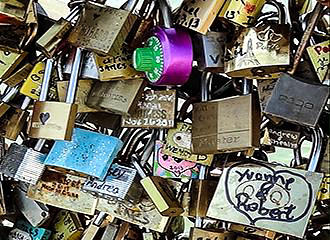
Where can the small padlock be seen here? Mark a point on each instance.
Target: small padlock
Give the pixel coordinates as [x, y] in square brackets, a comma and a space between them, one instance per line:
[167, 56]
[159, 191]
[63, 191]
[324, 192]
[55, 120]
[260, 50]
[281, 136]
[119, 97]
[18, 76]
[155, 109]
[9, 60]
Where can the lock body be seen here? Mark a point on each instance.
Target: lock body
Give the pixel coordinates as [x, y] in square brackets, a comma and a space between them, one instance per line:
[119, 97]
[88, 153]
[9, 60]
[14, 12]
[252, 231]
[18, 76]
[241, 197]
[324, 192]
[223, 126]
[53, 120]
[13, 122]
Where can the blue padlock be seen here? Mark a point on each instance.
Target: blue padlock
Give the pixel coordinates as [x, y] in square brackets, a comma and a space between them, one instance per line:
[88, 152]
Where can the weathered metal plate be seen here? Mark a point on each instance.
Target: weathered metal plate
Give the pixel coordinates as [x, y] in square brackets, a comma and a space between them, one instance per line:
[155, 109]
[116, 184]
[63, 191]
[266, 196]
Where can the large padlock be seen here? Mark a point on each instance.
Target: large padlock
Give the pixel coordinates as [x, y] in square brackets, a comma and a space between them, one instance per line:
[55, 120]
[243, 13]
[119, 97]
[260, 50]
[155, 109]
[9, 60]
[92, 32]
[319, 55]
[198, 15]
[88, 152]
[290, 102]
[167, 55]
[62, 191]
[268, 196]
[223, 126]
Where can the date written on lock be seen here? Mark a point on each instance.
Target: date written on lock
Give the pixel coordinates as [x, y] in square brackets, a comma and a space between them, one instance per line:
[116, 184]
[156, 109]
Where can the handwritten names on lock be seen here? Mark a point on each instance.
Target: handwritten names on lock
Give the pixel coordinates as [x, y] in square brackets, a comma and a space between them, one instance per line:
[116, 184]
[265, 88]
[63, 191]
[156, 109]
[283, 138]
[266, 196]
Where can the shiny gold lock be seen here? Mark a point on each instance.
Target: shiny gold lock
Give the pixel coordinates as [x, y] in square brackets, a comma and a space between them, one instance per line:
[319, 55]
[92, 32]
[63, 191]
[226, 125]
[252, 231]
[117, 66]
[84, 87]
[324, 192]
[32, 85]
[241, 12]
[9, 61]
[210, 234]
[67, 226]
[198, 15]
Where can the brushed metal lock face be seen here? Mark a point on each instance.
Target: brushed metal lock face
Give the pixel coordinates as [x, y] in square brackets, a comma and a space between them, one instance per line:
[266, 196]
[63, 191]
[198, 15]
[88, 152]
[290, 101]
[155, 109]
[116, 184]
[93, 33]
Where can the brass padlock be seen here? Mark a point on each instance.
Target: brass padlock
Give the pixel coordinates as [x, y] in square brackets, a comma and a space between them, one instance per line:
[198, 15]
[92, 32]
[14, 11]
[119, 97]
[6, 98]
[9, 60]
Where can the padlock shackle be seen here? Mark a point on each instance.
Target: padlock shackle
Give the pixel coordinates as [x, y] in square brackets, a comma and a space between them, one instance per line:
[26, 103]
[297, 153]
[46, 80]
[184, 107]
[280, 9]
[139, 169]
[73, 83]
[206, 86]
[130, 5]
[317, 138]
[166, 13]
[149, 147]
[247, 86]
[10, 95]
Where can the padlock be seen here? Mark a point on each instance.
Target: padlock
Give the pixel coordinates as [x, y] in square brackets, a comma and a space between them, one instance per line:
[14, 12]
[63, 191]
[167, 55]
[94, 226]
[197, 15]
[32, 85]
[223, 126]
[7, 206]
[210, 51]
[281, 136]
[103, 119]
[34, 233]
[260, 50]
[67, 226]
[242, 13]
[89, 68]
[210, 234]
[19, 75]
[319, 55]
[9, 60]
[167, 166]
[92, 30]
[269, 196]
[51, 39]
[265, 88]
[35, 212]
[290, 102]
[55, 120]
[119, 97]
[88, 153]
[324, 192]
[252, 231]
[159, 191]
[4, 104]
[155, 109]
[14, 120]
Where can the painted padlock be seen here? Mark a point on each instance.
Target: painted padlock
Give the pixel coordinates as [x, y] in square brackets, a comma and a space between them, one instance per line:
[89, 153]
[167, 55]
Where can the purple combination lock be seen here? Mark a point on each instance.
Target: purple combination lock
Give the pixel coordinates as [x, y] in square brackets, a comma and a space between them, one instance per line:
[167, 55]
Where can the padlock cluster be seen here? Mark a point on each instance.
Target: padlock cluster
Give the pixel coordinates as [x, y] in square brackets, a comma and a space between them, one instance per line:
[146, 122]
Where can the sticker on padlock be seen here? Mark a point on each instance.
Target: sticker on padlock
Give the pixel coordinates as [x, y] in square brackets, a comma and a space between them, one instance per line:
[319, 55]
[324, 192]
[35, 233]
[171, 167]
[155, 109]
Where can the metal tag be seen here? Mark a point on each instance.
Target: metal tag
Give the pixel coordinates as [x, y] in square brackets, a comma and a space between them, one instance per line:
[63, 191]
[156, 109]
[171, 167]
[116, 183]
[319, 55]
[17, 234]
[88, 152]
[266, 196]
[178, 144]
